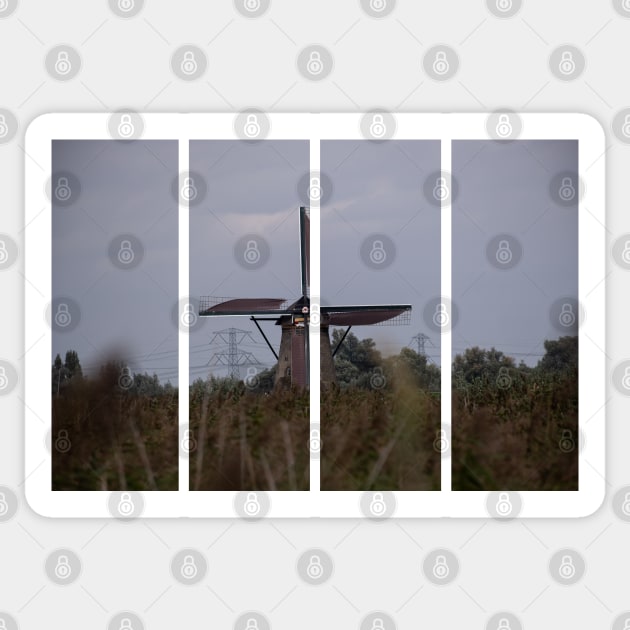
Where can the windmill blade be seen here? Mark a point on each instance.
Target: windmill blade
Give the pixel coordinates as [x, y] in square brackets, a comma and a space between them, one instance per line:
[366, 315]
[209, 306]
[305, 250]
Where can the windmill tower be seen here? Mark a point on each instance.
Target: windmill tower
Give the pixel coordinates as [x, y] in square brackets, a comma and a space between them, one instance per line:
[294, 318]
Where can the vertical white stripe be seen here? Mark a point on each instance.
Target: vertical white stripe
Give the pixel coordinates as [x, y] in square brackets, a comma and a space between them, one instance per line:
[314, 341]
[183, 232]
[446, 344]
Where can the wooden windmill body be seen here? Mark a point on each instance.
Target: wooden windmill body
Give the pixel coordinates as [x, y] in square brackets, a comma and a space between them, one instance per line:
[295, 320]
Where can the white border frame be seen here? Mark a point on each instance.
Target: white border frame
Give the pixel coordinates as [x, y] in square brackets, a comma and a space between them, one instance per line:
[315, 127]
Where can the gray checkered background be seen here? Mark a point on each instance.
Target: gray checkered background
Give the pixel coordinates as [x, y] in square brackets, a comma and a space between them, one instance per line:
[374, 573]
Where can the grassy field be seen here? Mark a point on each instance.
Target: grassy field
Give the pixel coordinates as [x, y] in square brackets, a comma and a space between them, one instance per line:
[513, 427]
[521, 437]
[244, 440]
[107, 438]
[379, 440]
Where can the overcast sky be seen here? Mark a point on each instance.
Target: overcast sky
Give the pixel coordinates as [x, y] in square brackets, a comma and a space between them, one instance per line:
[506, 188]
[378, 189]
[125, 188]
[253, 188]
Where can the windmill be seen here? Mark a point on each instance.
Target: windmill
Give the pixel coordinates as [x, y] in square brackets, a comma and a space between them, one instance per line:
[294, 318]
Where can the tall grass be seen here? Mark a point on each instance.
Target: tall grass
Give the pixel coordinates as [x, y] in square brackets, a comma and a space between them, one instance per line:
[523, 436]
[106, 438]
[248, 440]
[380, 439]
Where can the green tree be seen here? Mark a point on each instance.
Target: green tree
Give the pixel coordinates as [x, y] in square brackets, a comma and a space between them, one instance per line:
[477, 364]
[424, 374]
[355, 360]
[561, 355]
[59, 375]
[73, 365]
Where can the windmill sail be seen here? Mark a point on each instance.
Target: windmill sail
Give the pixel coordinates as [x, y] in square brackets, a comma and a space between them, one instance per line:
[305, 251]
[362, 315]
[209, 306]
